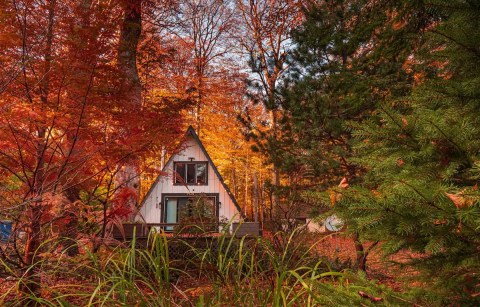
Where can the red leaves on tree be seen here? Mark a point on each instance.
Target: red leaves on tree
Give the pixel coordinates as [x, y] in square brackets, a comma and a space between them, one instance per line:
[122, 203]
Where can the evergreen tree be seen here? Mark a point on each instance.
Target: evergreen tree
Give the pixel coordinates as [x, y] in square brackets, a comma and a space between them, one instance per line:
[349, 58]
[423, 156]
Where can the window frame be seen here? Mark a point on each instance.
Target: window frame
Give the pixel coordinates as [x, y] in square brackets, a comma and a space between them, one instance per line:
[175, 173]
[214, 196]
[166, 196]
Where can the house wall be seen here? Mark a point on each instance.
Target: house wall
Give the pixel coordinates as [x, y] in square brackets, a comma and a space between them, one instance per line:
[151, 209]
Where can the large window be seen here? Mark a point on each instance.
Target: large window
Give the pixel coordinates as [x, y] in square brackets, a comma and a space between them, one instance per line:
[191, 173]
[189, 211]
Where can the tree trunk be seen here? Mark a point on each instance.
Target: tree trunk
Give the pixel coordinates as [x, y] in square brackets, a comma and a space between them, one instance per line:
[70, 232]
[275, 171]
[163, 157]
[128, 175]
[32, 282]
[83, 69]
[361, 262]
[234, 180]
[198, 107]
[261, 199]
[127, 51]
[255, 197]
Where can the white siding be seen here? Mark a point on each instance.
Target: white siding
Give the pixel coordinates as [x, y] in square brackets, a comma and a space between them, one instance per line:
[151, 211]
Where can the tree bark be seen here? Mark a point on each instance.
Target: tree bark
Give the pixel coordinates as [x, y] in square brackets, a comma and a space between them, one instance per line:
[131, 28]
[83, 69]
[127, 51]
[361, 262]
[261, 200]
[255, 197]
[234, 180]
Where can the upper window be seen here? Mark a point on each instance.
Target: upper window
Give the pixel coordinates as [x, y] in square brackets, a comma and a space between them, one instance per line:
[191, 173]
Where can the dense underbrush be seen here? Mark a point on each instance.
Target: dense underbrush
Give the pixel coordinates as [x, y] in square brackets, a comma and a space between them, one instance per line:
[223, 270]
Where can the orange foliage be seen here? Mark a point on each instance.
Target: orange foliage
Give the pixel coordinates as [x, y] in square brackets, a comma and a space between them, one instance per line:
[65, 122]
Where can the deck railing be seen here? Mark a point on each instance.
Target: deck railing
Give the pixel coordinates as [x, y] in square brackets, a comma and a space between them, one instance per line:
[143, 229]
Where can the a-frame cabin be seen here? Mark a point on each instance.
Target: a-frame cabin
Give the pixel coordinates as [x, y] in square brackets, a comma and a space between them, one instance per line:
[188, 175]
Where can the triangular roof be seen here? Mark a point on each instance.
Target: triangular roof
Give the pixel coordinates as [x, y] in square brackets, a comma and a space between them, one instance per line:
[191, 132]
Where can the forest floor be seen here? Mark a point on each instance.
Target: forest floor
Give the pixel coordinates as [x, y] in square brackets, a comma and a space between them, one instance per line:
[340, 250]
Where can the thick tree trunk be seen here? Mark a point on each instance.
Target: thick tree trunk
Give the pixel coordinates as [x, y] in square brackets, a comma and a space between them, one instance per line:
[131, 29]
[128, 175]
[83, 69]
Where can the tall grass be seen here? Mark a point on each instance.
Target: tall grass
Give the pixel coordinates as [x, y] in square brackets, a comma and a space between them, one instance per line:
[221, 271]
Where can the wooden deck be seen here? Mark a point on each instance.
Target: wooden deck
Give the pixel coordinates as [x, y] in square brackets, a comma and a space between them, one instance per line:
[142, 230]
[180, 245]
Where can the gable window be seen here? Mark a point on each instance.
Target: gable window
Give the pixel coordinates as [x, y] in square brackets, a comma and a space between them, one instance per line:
[190, 173]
